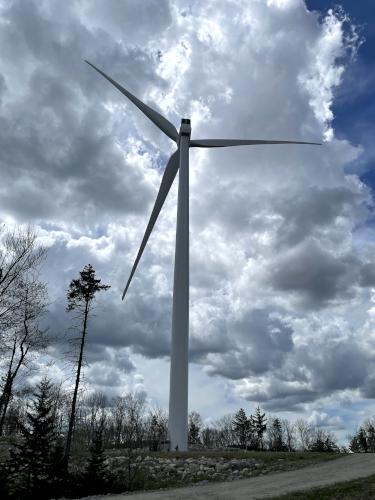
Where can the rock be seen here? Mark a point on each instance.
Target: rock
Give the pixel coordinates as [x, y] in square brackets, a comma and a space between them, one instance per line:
[204, 481]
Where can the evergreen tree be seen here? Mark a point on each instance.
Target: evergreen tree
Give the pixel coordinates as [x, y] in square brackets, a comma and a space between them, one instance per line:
[4, 481]
[259, 425]
[81, 295]
[31, 462]
[362, 440]
[58, 475]
[153, 434]
[157, 429]
[277, 443]
[354, 445]
[195, 425]
[96, 477]
[370, 433]
[208, 437]
[323, 441]
[241, 427]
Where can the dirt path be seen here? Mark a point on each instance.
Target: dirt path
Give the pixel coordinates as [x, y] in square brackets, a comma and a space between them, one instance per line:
[342, 469]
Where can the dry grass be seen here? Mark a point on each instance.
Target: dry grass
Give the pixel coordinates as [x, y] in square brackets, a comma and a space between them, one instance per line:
[359, 489]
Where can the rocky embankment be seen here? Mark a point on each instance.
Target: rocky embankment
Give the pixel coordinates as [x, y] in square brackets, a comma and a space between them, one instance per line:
[186, 470]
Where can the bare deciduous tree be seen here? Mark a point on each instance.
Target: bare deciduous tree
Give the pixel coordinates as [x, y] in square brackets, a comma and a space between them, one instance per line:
[225, 436]
[133, 432]
[20, 255]
[25, 338]
[289, 432]
[118, 420]
[304, 433]
[93, 416]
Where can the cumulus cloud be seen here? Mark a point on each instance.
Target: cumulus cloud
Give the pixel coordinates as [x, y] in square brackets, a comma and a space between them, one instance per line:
[275, 259]
[322, 419]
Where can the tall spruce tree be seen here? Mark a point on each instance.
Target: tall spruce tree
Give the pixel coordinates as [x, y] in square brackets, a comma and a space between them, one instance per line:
[153, 433]
[32, 462]
[96, 477]
[81, 295]
[354, 445]
[241, 427]
[370, 434]
[276, 441]
[259, 425]
[362, 440]
[195, 426]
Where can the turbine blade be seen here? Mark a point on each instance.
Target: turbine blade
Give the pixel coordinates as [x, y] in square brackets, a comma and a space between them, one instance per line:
[223, 143]
[165, 125]
[166, 183]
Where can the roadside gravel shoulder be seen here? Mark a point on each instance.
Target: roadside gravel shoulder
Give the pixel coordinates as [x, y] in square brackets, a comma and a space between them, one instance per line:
[323, 474]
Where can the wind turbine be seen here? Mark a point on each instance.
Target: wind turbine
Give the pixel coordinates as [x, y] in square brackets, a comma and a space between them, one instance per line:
[178, 395]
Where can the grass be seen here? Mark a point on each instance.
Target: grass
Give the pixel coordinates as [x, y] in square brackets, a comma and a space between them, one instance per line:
[358, 489]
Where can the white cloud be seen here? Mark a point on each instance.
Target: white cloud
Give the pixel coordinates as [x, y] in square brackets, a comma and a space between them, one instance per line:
[274, 230]
[322, 419]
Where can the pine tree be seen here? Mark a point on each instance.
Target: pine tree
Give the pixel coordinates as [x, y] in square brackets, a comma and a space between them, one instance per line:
[58, 476]
[96, 477]
[323, 441]
[354, 446]
[153, 434]
[30, 464]
[208, 437]
[195, 426]
[362, 440]
[156, 430]
[277, 443]
[241, 427]
[81, 295]
[259, 424]
[370, 437]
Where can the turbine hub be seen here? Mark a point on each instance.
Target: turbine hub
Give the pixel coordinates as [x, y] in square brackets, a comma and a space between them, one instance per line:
[185, 128]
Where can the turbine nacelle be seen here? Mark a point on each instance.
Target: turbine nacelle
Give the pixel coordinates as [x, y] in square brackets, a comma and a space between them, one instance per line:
[185, 128]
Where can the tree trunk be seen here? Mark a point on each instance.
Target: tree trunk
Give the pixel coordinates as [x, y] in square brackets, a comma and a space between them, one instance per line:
[5, 398]
[74, 402]
[8, 387]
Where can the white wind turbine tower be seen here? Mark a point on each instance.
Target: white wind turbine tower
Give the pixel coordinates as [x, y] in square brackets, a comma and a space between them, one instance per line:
[178, 395]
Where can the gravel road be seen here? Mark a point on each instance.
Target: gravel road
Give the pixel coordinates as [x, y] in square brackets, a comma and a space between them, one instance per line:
[343, 469]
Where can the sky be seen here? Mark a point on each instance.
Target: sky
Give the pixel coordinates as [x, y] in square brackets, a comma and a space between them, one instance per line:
[282, 261]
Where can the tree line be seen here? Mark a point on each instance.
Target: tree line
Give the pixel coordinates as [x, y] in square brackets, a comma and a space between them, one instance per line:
[37, 427]
[363, 440]
[258, 432]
